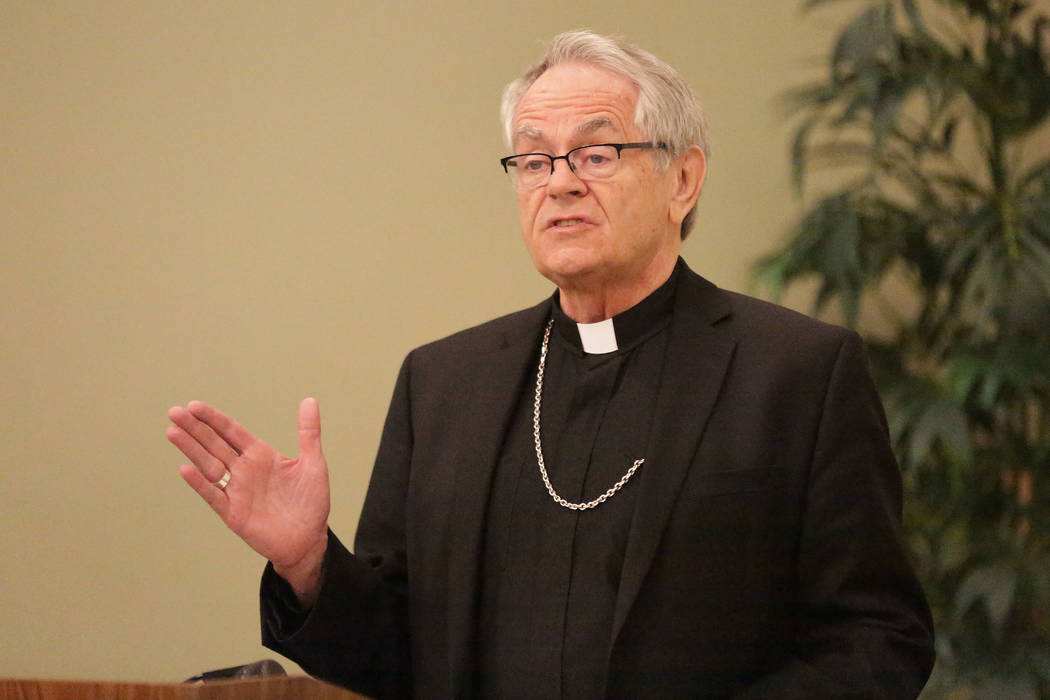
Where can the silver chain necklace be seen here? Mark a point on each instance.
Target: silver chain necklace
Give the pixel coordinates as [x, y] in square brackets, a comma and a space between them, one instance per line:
[539, 450]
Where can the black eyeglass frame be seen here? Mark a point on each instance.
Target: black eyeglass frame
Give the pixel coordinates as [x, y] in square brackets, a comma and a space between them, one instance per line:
[618, 146]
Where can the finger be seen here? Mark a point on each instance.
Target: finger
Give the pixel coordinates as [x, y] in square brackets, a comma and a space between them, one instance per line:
[208, 439]
[211, 494]
[227, 428]
[309, 423]
[207, 463]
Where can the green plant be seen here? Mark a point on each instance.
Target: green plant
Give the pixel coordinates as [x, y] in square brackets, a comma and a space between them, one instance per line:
[933, 122]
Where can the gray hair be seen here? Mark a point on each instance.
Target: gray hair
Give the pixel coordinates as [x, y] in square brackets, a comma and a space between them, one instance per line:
[667, 110]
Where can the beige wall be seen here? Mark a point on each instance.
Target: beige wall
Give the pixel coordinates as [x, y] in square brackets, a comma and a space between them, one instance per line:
[250, 202]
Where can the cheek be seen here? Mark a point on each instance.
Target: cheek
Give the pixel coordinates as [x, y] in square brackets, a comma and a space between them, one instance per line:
[526, 207]
[528, 212]
[646, 212]
[622, 212]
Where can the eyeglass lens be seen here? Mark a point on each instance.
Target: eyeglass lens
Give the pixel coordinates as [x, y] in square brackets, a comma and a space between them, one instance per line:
[533, 170]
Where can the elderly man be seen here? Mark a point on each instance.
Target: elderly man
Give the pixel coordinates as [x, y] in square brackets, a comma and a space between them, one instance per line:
[642, 487]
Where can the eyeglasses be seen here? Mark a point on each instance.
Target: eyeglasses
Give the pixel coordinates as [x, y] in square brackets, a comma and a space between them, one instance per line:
[598, 161]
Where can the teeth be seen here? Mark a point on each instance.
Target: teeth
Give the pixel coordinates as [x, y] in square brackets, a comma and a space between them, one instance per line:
[567, 222]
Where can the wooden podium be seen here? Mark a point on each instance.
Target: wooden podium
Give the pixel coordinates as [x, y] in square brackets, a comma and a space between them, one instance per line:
[271, 688]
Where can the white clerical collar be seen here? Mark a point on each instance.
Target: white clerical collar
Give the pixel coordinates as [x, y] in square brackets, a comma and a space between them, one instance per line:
[598, 338]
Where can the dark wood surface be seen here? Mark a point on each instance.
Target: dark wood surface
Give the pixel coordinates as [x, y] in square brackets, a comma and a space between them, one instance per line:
[274, 688]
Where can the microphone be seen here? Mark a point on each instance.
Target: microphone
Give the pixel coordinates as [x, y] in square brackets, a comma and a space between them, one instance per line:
[256, 669]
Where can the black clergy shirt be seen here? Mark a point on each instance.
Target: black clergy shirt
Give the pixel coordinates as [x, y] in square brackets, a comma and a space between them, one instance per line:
[550, 575]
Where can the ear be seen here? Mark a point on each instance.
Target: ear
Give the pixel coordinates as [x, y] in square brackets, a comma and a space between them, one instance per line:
[689, 170]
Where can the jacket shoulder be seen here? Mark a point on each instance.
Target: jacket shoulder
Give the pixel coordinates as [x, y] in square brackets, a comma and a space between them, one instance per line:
[753, 315]
[495, 334]
[751, 319]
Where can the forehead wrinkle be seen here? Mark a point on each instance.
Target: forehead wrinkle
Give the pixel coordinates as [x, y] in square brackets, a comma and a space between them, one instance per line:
[585, 129]
[542, 103]
[536, 134]
[588, 98]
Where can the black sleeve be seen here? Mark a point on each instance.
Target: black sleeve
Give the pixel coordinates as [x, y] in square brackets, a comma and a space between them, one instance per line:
[866, 630]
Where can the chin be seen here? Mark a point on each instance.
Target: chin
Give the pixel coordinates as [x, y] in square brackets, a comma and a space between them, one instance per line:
[565, 265]
[563, 256]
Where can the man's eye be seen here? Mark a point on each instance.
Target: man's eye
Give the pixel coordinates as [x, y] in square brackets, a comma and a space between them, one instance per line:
[532, 165]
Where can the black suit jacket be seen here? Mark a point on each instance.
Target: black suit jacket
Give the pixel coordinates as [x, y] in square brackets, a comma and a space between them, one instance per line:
[763, 560]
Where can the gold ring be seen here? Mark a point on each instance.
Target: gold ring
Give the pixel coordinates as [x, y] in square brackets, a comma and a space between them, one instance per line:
[221, 483]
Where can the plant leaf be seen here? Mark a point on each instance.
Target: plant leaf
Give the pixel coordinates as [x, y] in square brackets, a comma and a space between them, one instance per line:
[993, 585]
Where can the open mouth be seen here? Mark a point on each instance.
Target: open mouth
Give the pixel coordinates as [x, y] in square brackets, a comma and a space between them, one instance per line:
[566, 222]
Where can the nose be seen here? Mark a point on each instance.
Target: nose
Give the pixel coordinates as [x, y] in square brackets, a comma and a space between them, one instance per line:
[564, 180]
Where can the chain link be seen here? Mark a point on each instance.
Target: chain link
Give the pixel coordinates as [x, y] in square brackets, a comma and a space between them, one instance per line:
[539, 450]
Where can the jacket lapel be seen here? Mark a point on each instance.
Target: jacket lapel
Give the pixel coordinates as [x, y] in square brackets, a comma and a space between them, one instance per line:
[497, 382]
[698, 355]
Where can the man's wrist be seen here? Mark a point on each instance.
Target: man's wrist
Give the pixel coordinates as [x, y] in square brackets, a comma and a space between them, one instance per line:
[304, 577]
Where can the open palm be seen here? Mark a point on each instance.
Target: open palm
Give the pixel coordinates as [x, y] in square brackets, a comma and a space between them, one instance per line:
[278, 505]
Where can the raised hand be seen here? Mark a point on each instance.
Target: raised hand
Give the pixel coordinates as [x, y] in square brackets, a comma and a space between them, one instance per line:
[276, 504]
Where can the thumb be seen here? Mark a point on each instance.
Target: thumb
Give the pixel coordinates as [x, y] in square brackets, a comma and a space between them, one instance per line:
[309, 423]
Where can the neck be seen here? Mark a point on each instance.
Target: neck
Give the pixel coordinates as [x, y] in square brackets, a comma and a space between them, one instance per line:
[597, 301]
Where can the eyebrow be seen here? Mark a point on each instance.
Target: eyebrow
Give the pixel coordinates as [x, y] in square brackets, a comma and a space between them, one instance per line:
[529, 132]
[592, 125]
[588, 127]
